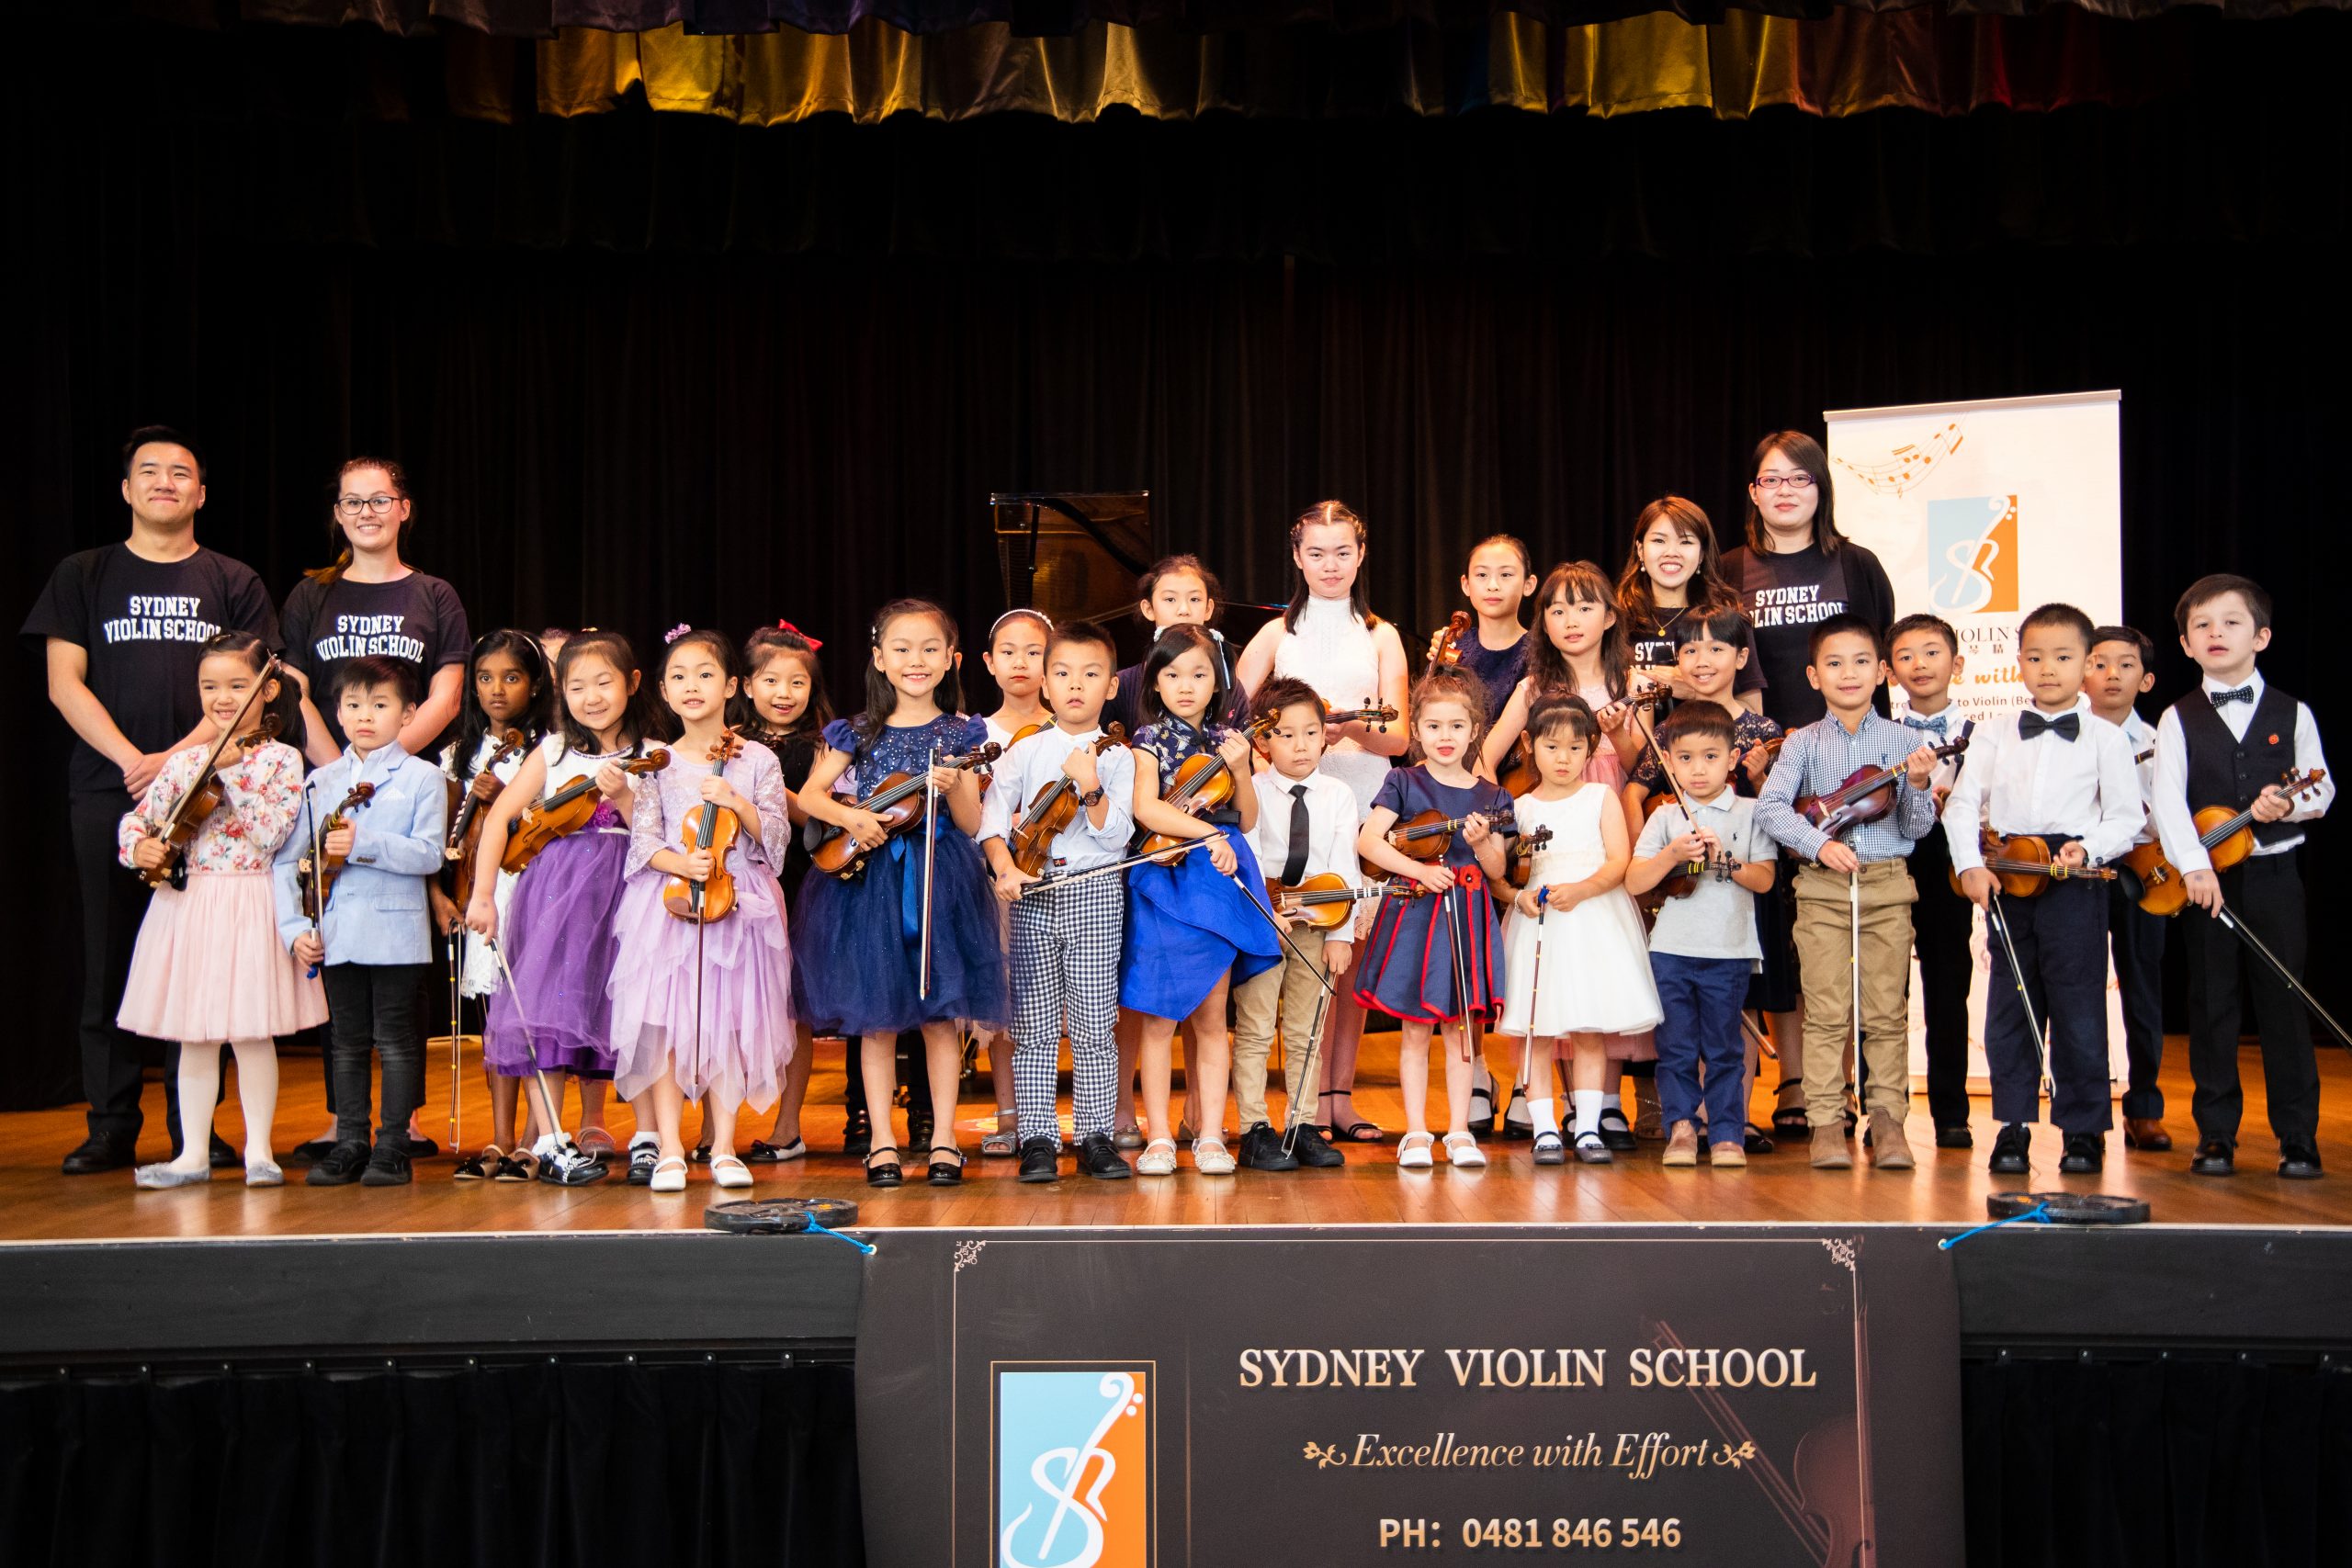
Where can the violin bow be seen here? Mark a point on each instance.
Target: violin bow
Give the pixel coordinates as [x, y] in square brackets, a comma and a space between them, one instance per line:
[2287, 976]
[1534, 990]
[456, 958]
[930, 852]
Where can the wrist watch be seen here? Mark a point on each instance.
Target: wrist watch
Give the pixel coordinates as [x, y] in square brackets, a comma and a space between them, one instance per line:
[1093, 795]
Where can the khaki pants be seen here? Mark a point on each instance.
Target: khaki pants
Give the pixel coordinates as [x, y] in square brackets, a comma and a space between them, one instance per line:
[1291, 988]
[1824, 956]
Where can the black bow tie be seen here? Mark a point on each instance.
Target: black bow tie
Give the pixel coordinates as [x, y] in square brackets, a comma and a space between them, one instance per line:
[2065, 727]
[2236, 695]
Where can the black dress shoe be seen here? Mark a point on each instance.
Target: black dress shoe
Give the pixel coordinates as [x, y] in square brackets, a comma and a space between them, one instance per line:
[1097, 1156]
[340, 1166]
[2085, 1155]
[1958, 1137]
[2300, 1162]
[2010, 1152]
[99, 1151]
[419, 1148]
[857, 1134]
[221, 1156]
[2214, 1157]
[1311, 1149]
[316, 1149]
[1040, 1160]
[387, 1164]
[1261, 1149]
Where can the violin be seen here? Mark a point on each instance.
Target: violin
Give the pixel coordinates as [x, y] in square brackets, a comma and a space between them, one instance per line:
[1868, 793]
[1520, 862]
[1052, 810]
[566, 812]
[316, 878]
[897, 800]
[714, 828]
[2023, 865]
[2228, 838]
[1517, 774]
[1326, 900]
[190, 813]
[465, 820]
[1445, 648]
[1427, 835]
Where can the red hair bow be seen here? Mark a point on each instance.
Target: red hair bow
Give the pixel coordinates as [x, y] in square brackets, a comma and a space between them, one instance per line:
[787, 627]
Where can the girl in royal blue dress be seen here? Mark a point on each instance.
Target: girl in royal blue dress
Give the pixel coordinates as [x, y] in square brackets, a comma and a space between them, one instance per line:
[1433, 960]
[860, 940]
[1190, 928]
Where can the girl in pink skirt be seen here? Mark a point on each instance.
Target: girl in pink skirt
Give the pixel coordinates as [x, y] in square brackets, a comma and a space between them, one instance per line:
[208, 965]
[711, 1016]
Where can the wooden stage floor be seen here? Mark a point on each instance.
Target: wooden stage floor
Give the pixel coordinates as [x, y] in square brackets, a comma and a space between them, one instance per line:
[38, 1204]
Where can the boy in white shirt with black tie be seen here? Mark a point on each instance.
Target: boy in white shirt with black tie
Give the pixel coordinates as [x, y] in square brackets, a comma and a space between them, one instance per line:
[1306, 827]
[2122, 667]
[2056, 771]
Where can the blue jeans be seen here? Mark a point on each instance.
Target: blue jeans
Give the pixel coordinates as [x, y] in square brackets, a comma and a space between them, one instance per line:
[1701, 999]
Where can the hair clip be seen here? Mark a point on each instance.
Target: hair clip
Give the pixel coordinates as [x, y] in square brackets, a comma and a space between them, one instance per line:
[787, 627]
[674, 633]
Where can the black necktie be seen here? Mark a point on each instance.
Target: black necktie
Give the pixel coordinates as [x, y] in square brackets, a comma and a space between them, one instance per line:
[1294, 863]
[2236, 695]
[2065, 727]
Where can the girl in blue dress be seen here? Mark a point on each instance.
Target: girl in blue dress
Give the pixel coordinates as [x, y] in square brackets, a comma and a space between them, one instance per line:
[860, 940]
[1411, 969]
[1190, 932]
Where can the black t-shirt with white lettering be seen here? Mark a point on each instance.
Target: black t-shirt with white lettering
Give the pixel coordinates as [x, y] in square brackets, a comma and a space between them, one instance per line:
[1787, 596]
[416, 619]
[143, 623]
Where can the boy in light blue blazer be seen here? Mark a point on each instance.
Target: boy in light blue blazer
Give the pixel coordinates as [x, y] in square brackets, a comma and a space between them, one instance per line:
[372, 942]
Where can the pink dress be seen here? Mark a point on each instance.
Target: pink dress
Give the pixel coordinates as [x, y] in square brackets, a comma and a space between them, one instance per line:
[729, 1034]
[208, 965]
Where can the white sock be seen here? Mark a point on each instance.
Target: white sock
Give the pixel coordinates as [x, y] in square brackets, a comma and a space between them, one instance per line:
[1541, 1111]
[1588, 1103]
[645, 1139]
[1610, 1100]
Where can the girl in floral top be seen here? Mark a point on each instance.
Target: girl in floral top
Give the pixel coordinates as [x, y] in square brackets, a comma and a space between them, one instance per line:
[208, 966]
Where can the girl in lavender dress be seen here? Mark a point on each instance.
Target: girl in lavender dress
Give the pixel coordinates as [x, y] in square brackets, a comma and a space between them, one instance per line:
[703, 1007]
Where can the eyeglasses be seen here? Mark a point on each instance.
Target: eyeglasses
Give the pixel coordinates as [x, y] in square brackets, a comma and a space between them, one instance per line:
[1792, 481]
[353, 506]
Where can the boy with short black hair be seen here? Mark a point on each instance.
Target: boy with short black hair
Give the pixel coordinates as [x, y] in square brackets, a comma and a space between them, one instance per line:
[1856, 890]
[2122, 667]
[2058, 772]
[2229, 744]
[1064, 944]
[1925, 653]
[1307, 822]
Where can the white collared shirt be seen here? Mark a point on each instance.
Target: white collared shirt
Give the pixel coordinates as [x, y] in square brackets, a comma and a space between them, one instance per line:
[2143, 738]
[2168, 790]
[2086, 788]
[1036, 762]
[1717, 919]
[1332, 820]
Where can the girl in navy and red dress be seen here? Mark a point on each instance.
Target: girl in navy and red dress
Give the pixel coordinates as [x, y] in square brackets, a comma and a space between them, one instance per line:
[1015, 658]
[861, 937]
[1433, 960]
[786, 710]
[1190, 932]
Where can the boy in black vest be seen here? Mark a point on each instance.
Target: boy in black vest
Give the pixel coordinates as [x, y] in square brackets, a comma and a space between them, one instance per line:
[2229, 743]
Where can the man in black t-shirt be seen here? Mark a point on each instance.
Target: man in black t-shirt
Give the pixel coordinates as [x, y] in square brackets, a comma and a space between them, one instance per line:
[122, 628]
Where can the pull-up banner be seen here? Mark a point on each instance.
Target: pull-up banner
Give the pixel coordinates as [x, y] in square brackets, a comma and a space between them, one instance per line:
[1125, 1399]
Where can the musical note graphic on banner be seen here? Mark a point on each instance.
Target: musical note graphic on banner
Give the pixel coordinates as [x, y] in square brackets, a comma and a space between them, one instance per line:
[1903, 468]
[1074, 1512]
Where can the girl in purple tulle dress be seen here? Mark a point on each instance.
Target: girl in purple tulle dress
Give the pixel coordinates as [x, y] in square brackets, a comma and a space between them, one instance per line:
[703, 1007]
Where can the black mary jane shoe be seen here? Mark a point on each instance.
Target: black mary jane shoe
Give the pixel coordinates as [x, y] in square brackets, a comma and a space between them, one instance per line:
[1616, 1133]
[2300, 1162]
[2085, 1155]
[2215, 1157]
[947, 1172]
[889, 1173]
[1550, 1149]
[2012, 1152]
[1040, 1161]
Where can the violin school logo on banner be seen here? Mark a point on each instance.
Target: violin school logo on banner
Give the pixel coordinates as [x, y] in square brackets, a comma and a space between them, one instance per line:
[1972, 555]
[1072, 1465]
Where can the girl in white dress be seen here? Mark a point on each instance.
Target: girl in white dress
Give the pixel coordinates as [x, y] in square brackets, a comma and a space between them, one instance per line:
[1595, 977]
[1330, 638]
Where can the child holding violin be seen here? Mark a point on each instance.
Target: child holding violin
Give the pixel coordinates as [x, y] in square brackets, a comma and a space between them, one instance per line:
[1924, 657]
[2232, 744]
[1703, 946]
[2055, 773]
[1015, 658]
[2122, 669]
[509, 709]
[702, 991]
[1190, 932]
[1854, 892]
[563, 820]
[350, 893]
[1305, 839]
[862, 933]
[1060, 805]
[1490, 640]
[1431, 962]
[1597, 983]
[207, 966]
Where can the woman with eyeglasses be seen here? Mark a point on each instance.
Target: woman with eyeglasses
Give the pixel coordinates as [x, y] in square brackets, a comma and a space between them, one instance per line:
[1797, 569]
[370, 603]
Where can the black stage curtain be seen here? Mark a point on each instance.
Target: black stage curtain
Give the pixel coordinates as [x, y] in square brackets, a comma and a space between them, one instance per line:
[616, 411]
[554, 1464]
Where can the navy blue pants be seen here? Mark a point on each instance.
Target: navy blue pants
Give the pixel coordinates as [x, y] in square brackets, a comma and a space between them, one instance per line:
[1701, 999]
[2138, 938]
[2061, 941]
[1941, 923]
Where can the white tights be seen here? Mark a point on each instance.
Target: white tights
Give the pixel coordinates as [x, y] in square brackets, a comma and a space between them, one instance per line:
[201, 1087]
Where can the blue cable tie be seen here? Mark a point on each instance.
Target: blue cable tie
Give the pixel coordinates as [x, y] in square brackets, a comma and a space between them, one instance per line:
[2038, 1214]
[867, 1248]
